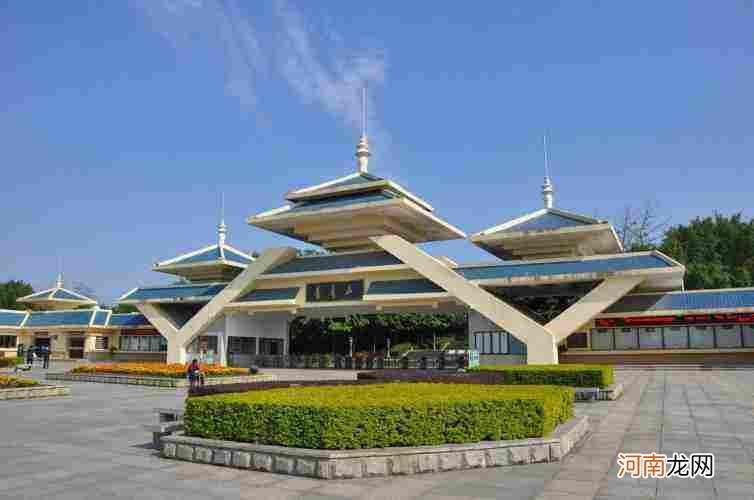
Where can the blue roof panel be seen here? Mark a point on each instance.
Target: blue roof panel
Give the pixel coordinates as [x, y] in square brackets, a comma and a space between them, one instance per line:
[524, 269]
[100, 318]
[63, 294]
[12, 318]
[335, 261]
[175, 292]
[687, 301]
[342, 201]
[361, 179]
[126, 320]
[208, 256]
[270, 294]
[60, 318]
[403, 287]
[546, 222]
[233, 256]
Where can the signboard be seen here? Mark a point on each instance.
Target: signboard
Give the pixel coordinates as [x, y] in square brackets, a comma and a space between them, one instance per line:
[333, 292]
[685, 319]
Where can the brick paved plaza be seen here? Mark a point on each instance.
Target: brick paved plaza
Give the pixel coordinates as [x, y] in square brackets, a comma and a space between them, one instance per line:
[91, 445]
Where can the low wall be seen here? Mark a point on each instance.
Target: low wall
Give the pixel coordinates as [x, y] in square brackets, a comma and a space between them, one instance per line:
[346, 464]
[153, 381]
[35, 391]
[151, 357]
[700, 357]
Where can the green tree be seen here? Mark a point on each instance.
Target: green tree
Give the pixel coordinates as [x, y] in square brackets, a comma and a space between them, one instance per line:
[124, 308]
[718, 251]
[12, 290]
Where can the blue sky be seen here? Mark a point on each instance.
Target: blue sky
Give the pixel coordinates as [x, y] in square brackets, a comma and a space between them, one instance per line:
[122, 122]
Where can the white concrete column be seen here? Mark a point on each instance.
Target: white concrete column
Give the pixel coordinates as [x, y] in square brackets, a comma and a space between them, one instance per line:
[176, 352]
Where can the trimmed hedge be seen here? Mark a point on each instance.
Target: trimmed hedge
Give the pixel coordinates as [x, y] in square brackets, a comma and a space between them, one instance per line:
[379, 415]
[570, 375]
[15, 382]
[11, 361]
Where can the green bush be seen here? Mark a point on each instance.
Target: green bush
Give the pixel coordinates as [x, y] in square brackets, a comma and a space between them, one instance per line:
[570, 375]
[11, 361]
[379, 415]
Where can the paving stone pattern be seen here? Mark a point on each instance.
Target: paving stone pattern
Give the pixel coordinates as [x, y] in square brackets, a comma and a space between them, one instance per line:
[91, 446]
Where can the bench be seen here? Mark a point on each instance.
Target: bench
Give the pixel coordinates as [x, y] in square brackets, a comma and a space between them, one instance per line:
[169, 420]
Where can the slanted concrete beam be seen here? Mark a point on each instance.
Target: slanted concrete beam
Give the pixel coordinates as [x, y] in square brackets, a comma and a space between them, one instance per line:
[242, 284]
[540, 344]
[590, 305]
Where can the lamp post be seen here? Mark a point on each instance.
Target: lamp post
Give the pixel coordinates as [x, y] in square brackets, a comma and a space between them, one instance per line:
[350, 346]
[388, 348]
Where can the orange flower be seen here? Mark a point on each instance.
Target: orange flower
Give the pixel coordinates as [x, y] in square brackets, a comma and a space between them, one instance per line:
[172, 370]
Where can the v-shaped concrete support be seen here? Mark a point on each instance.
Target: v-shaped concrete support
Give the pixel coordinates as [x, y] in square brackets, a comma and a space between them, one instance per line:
[179, 338]
[541, 348]
[590, 305]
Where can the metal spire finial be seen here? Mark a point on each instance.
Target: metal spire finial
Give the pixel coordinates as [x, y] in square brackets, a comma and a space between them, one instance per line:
[221, 229]
[59, 282]
[362, 149]
[547, 189]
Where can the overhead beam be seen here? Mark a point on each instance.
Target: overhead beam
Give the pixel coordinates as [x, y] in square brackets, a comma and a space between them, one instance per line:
[590, 305]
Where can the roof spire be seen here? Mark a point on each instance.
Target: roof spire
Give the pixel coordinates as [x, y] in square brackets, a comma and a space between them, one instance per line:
[362, 149]
[59, 282]
[547, 189]
[221, 229]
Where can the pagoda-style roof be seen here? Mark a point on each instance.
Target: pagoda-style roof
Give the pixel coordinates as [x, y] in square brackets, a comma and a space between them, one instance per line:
[342, 214]
[218, 262]
[549, 233]
[57, 298]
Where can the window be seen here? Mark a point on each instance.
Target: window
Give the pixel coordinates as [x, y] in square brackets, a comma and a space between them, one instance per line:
[101, 343]
[602, 339]
[626, 338]
[7, 341]
[701, 337]
[272, 347]
[242, 345]
[143, 343]
[676, 337]
[650, 338]
[494, 342]
[727, 336]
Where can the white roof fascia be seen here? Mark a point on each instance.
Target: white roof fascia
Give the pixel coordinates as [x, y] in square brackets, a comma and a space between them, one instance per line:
[184, 256]
[239, 252]
[324, 184]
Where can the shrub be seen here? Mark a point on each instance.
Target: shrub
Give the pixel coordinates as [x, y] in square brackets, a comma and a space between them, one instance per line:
[399, 350]
[173, 370]
[379, 415]
[11, 361]
[7, 382]
[570, 375]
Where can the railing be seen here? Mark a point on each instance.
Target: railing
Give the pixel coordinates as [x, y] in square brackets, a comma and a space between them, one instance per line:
[423, 361]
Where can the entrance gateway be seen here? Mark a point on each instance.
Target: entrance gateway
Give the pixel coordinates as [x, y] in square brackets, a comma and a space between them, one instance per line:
[370, 227]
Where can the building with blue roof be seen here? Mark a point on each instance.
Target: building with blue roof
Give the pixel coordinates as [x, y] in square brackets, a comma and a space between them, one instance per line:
[558, 287]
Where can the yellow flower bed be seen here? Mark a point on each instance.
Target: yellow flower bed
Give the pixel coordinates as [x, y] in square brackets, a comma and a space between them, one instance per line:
[172, 370]
[7, 382]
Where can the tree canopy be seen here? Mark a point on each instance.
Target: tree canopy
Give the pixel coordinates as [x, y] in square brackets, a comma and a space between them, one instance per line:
[718, 251]
[12, 290]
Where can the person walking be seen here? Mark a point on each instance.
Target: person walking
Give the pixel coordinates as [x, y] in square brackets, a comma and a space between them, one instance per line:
[30, 355]
[194, 373]
[45, 356]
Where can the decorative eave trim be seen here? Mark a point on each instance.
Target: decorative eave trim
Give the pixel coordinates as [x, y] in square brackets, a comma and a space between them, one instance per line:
[334, 272]
[168, 262]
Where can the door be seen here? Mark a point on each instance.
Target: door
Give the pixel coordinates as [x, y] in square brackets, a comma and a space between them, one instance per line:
[40, 341]
[76, 347]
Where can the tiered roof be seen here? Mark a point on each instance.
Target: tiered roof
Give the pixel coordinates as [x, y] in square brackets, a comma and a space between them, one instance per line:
[57, 298]
[218, 262]
[342, 214]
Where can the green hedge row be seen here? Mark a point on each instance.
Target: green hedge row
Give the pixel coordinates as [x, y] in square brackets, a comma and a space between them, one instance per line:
[379, 415]
[11, 361]
[570, 375]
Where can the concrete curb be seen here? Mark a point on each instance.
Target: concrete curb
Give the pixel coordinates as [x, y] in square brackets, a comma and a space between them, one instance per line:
[35, 391]
[346, 464]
